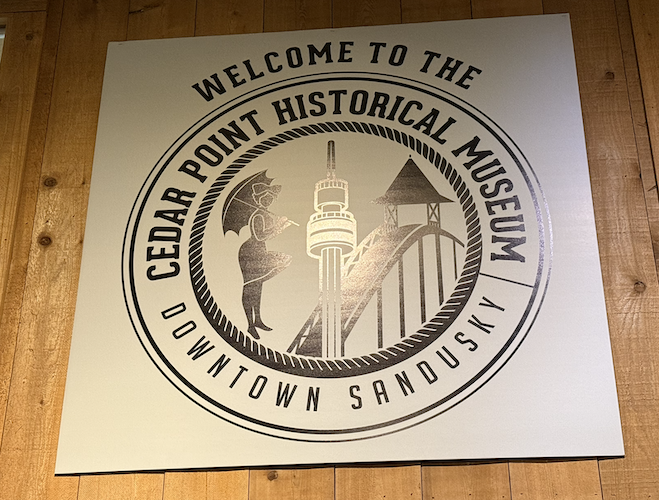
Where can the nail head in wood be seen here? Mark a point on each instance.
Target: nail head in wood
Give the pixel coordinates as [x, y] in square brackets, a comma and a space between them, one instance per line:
[610, 75]
[639, 287]
[45, 240]
[50, 182]
[272, 475]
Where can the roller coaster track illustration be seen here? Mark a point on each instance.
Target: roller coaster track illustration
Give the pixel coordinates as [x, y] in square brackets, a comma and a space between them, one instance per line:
[364, 272]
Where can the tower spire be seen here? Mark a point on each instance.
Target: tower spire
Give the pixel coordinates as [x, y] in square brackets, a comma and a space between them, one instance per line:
[331, 161]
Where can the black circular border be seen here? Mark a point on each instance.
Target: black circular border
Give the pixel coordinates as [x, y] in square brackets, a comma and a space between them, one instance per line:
[344, 367]
[129, 247]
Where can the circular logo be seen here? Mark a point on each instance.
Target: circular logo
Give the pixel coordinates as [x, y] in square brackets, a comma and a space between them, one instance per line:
[336, 256]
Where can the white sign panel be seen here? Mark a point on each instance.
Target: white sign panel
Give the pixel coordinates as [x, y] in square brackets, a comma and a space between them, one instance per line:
[354, 245]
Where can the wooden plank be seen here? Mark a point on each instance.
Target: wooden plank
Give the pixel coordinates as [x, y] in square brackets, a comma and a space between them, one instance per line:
[639, 119]
[366, 12]
[18, 86]
[22, 238]
[18, 81]
[292, 484]
[121, 487]
[164, 19]
[555, 480]
[8, 6]
[629, 273]
[288, 15]
[218, 485]
[228, 17]
[11, 311]
[501, 8]
[223, 485]
[31, 178]
[644, 15]
[29, 443]
[637, 475]
[467, 482]
[184, 485]
[419, 11]
[378, 483]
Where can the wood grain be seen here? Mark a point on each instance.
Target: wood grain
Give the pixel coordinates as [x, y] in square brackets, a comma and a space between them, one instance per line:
[164, 19]
[288, 15]
[639, 120]
[555, 480]
[365, 12]
[224, 485]
[31, 179]
[501, 8]
[183, 485]
[645, 22]
[229, 17]
[7, 6]
[18, 86]
[221, 485]
[644, 48]
[378, 483]
[418, 11]
[292, 484]
[18, 81]
[29, 440]
[467, 482]
[121, 487]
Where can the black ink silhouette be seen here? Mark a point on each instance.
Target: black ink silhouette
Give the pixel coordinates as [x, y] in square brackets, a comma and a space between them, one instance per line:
[247, 205]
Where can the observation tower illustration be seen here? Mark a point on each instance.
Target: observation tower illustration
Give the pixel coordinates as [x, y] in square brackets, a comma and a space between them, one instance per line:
[370, 278]
[331, 236]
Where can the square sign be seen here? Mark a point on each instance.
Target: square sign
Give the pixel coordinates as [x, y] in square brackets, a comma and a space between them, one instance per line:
[351, 245]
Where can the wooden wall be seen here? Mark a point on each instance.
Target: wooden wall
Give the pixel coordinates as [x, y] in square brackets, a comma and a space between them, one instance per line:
[50, 87]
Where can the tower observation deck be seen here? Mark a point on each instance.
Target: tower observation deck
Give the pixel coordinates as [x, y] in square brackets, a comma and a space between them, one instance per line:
[331, 235]
[373, 272]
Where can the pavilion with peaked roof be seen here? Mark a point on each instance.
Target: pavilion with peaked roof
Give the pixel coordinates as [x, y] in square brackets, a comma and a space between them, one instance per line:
[411, 187]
